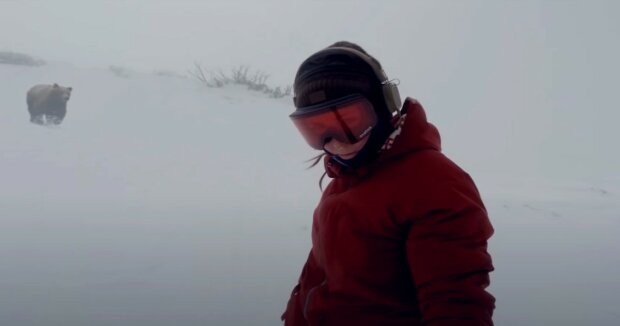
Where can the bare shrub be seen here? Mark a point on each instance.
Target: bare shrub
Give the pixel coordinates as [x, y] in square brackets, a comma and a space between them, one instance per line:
[20, 59]
[256, 81]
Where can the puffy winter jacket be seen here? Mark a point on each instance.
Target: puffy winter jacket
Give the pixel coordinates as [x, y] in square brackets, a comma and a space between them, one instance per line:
[402, 241]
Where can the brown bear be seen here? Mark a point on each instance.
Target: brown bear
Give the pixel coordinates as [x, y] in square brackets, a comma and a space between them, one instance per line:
[47, 104]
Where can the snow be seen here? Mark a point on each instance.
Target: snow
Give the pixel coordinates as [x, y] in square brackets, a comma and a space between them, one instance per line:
[162, 202]
[554, 252]
[157, 200]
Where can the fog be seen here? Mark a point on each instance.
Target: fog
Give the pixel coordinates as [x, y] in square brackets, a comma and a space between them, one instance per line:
[540, 64]
[160, 201]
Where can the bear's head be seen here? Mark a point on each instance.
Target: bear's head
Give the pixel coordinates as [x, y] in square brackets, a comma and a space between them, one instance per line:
[61, 92]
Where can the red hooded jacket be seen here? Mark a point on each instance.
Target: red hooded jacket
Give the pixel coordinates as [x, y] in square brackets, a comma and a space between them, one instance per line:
[402, 241]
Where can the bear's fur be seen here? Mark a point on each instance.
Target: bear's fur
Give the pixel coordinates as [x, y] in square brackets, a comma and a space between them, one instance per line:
[47, 104]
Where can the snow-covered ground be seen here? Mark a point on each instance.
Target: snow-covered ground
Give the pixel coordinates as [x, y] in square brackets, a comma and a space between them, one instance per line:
[161, 202]
[156, 202]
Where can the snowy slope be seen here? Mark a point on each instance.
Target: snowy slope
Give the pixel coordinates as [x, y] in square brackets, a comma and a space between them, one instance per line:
[157, 200]
[554, 251]
[161, 202]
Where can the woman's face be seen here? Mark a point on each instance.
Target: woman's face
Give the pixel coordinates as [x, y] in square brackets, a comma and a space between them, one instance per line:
[345, 151]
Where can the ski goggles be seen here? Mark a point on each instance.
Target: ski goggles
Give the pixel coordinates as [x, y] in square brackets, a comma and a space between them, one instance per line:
[348, 119]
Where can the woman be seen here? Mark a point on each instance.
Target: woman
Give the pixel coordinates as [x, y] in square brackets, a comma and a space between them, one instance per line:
[400, 234]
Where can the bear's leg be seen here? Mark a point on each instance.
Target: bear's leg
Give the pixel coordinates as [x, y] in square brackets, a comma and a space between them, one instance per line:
[53, 119]
[36, 119]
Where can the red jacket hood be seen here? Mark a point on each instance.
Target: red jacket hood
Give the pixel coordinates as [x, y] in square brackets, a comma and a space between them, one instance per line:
[415, 134]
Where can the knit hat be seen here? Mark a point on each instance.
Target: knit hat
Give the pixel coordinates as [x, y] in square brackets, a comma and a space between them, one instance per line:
[328, 75]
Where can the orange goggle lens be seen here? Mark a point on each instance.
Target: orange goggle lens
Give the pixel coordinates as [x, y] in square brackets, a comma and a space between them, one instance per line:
[348, 120]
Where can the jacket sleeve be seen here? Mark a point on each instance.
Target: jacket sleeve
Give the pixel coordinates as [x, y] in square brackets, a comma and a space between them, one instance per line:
[311, 275]
[448, 258]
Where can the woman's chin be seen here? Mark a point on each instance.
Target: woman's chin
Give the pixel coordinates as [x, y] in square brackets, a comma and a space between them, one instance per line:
[347, 156]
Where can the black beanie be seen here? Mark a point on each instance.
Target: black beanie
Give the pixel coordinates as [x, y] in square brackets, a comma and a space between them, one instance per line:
[327, 76]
